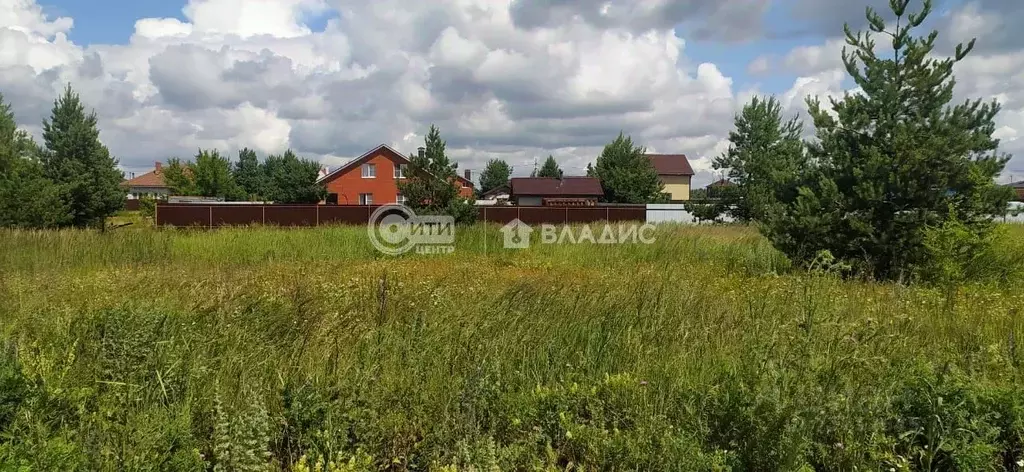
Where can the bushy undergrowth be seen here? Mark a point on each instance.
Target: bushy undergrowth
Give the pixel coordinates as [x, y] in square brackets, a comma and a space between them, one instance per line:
[270, 349]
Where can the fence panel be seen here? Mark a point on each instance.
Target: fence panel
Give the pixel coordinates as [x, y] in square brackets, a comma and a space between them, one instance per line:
[291, 215]
[182, 215]
[237, 215]
[345, 214]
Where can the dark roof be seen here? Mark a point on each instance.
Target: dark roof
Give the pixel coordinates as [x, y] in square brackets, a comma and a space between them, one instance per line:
[550, 186]
[671, 164]
[721, 183]
[1017, 184]
[495, 191]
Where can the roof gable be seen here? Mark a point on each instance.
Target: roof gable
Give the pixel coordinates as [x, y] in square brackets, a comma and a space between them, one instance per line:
[387, 150]
[670, 164]
[153, 178]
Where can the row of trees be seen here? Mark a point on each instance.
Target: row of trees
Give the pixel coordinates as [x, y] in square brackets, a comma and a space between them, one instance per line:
[626, 174]
[889, 167]
[284, 178]
[69, 180]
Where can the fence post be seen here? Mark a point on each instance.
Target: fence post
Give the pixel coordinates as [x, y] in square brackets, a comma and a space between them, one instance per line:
[566, 220]
[263, 214]
[211, 215]
[607, 214]
[318, 215]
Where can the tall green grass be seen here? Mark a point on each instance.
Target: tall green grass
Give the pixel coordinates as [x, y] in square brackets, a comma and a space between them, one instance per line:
[277, 349]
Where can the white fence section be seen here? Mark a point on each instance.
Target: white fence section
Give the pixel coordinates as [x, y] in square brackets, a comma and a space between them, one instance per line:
[673, 213]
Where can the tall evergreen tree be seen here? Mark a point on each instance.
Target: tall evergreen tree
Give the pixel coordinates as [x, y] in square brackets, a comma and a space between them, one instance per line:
[495, 174]
[27, 198]
[76, 161]
[429, 186]
[626, 173]
[764, 160]
[249, 174]
[550, 168]
[895, 159]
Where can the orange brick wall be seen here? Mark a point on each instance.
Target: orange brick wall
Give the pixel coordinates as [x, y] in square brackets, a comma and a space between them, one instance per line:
[384, 187]
[349, 184]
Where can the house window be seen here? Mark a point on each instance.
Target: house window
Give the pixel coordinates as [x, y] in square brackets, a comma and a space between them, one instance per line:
[400, 199]
[399, 171]
[369, 171]
[366, 199]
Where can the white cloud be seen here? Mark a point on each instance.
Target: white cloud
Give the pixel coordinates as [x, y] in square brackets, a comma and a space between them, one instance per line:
[516, 81]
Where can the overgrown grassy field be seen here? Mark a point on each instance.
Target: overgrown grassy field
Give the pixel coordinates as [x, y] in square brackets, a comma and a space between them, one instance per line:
[275, 349]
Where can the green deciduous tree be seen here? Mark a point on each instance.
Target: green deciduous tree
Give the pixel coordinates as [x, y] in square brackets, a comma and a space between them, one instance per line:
[290, 179]
[249, 174]
[429, 184]
[550, 169]
[627, 175]
[894, 158]
[81, 166]
[765, 160]
[178, 177]
[27, 198]
[495, 174]
[212, 175]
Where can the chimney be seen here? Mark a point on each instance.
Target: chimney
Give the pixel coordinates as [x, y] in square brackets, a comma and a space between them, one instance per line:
[421, 151]
[159, 166]
[132, 175]
[469, 175]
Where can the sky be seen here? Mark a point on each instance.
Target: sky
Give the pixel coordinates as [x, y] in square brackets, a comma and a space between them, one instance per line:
[503, 79]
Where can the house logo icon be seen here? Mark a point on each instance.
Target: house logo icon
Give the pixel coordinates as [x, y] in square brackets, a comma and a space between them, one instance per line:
[517, 234]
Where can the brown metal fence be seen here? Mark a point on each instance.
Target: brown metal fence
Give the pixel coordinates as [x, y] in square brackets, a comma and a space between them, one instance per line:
[218, 215]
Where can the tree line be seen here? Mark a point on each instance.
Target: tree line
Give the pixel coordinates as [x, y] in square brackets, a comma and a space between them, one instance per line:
[625, 172]
[284, 178]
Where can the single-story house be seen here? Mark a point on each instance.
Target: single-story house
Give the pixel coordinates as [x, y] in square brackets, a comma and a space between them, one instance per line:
[550, 191]
[496, 196]
[674, 172]
[372, 179]
[151, 185]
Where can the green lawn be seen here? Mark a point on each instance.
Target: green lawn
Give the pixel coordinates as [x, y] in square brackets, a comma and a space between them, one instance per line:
[276, 349]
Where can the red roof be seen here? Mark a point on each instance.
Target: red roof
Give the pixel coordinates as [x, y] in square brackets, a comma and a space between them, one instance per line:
[671, 164]
[154, 178]
[550, 186]
[395, 156]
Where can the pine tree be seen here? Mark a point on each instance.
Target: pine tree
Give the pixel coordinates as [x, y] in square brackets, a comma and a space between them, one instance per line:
[430, 183]
[764, 160]
[76, 161]
[626, 173]
[495, 174]
[550, 169]
[27, 198]
[896, 159]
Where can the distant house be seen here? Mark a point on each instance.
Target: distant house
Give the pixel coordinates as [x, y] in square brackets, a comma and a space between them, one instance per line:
[1018, 188]
[372, 179]
[675, 173]
[550, 191]
[496, 196]
[148, 185]
[715, 189]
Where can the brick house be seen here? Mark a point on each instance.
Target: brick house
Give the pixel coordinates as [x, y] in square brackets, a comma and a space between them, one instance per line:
[674, 172]
[550, 191]
[372, 179]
